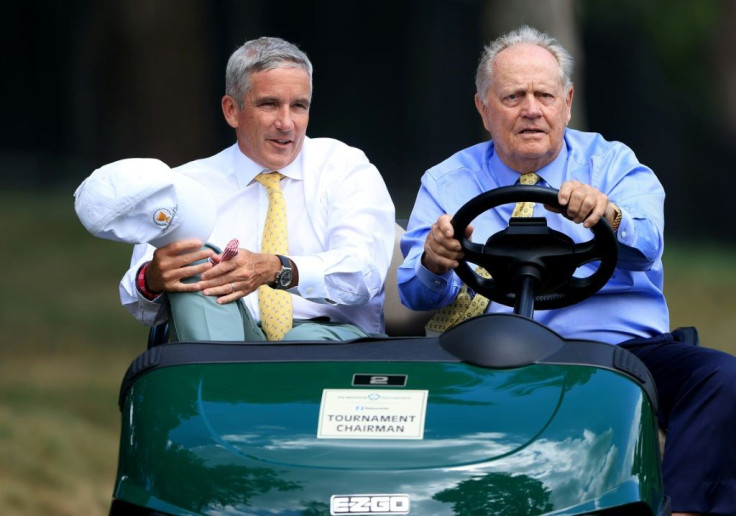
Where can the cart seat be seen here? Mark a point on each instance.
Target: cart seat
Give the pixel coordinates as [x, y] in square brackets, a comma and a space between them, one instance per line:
[400, 320]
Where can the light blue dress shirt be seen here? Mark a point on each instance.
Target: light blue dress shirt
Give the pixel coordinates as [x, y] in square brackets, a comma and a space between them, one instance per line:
[631, 304]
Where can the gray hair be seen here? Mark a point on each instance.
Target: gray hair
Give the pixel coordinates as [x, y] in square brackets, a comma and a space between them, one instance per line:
[259, 55]
[524, 35]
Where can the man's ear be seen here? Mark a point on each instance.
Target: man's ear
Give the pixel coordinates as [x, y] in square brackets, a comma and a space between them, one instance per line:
[230, 110]
[568, 99]
[482, 111]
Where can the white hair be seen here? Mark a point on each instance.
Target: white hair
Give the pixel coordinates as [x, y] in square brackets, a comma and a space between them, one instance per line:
[524, 35]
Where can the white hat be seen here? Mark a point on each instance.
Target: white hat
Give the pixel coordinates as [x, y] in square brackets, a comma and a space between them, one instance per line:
[141, 200]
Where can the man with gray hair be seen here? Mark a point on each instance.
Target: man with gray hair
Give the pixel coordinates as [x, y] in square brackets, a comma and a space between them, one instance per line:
[310, 223]
[524, 97]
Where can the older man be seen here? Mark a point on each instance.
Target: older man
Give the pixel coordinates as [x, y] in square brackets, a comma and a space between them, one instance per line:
[313, 218]
[524, 97]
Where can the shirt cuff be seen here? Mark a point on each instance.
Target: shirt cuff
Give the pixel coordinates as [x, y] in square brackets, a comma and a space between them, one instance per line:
[311, 279]
[625, 232]
[432, 281]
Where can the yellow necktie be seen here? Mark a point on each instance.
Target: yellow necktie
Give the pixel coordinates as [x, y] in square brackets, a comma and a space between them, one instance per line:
[275, 305]
[466, 305]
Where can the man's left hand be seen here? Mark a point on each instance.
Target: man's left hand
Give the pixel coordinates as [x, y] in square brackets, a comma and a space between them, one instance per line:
[232, 279]
[584, 204]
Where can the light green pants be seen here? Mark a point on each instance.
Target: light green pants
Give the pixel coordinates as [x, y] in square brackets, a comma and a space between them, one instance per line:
[196, 317]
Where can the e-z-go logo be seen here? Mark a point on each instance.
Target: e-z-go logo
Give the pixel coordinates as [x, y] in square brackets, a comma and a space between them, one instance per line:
[370, 504]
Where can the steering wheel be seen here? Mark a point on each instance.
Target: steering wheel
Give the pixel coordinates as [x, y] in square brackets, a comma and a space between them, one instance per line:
[531, 265]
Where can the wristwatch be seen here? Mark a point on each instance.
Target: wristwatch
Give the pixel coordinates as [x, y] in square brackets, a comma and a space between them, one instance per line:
[285, 276]
[617, 218]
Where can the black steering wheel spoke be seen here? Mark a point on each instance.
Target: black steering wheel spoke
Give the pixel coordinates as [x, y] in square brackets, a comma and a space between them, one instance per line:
[586, 252]
[472, 251]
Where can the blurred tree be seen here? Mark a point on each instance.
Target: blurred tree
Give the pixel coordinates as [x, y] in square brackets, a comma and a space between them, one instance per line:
[89, 83]
[680, 36]
[139, 72]
[651, 78]
[725, 58]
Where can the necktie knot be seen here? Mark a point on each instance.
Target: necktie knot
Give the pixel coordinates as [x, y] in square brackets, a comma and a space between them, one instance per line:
[271, 180]
[530, 178]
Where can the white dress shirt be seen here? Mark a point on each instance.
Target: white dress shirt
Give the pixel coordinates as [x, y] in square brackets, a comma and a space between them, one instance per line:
[340, 222]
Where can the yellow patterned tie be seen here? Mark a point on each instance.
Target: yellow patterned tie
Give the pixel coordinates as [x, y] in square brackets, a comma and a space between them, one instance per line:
[275, 305]
[466, 305]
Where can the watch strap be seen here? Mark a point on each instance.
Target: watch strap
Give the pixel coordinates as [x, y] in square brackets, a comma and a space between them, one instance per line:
[142, 286]
[617, 218]
[285, 264]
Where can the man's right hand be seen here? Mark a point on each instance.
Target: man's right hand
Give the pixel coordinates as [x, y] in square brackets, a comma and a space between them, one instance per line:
[441, 249]
[171, 264]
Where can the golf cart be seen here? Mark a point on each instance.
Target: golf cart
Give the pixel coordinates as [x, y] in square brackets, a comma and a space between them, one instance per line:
[498, 415]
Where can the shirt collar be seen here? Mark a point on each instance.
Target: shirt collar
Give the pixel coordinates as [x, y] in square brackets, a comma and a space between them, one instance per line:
[246, 169]
[551, 174]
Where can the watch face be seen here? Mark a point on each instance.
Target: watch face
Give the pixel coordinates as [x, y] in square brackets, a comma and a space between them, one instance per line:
[285, 278]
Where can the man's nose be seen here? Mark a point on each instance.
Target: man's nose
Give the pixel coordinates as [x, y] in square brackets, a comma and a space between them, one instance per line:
[284, 121]
[530, 106]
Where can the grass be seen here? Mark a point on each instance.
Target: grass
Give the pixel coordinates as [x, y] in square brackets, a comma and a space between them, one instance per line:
[67, 343]
[700, 285]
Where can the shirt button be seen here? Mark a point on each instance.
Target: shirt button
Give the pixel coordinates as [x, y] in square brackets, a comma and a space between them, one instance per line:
[623, 234]
[437, 282]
